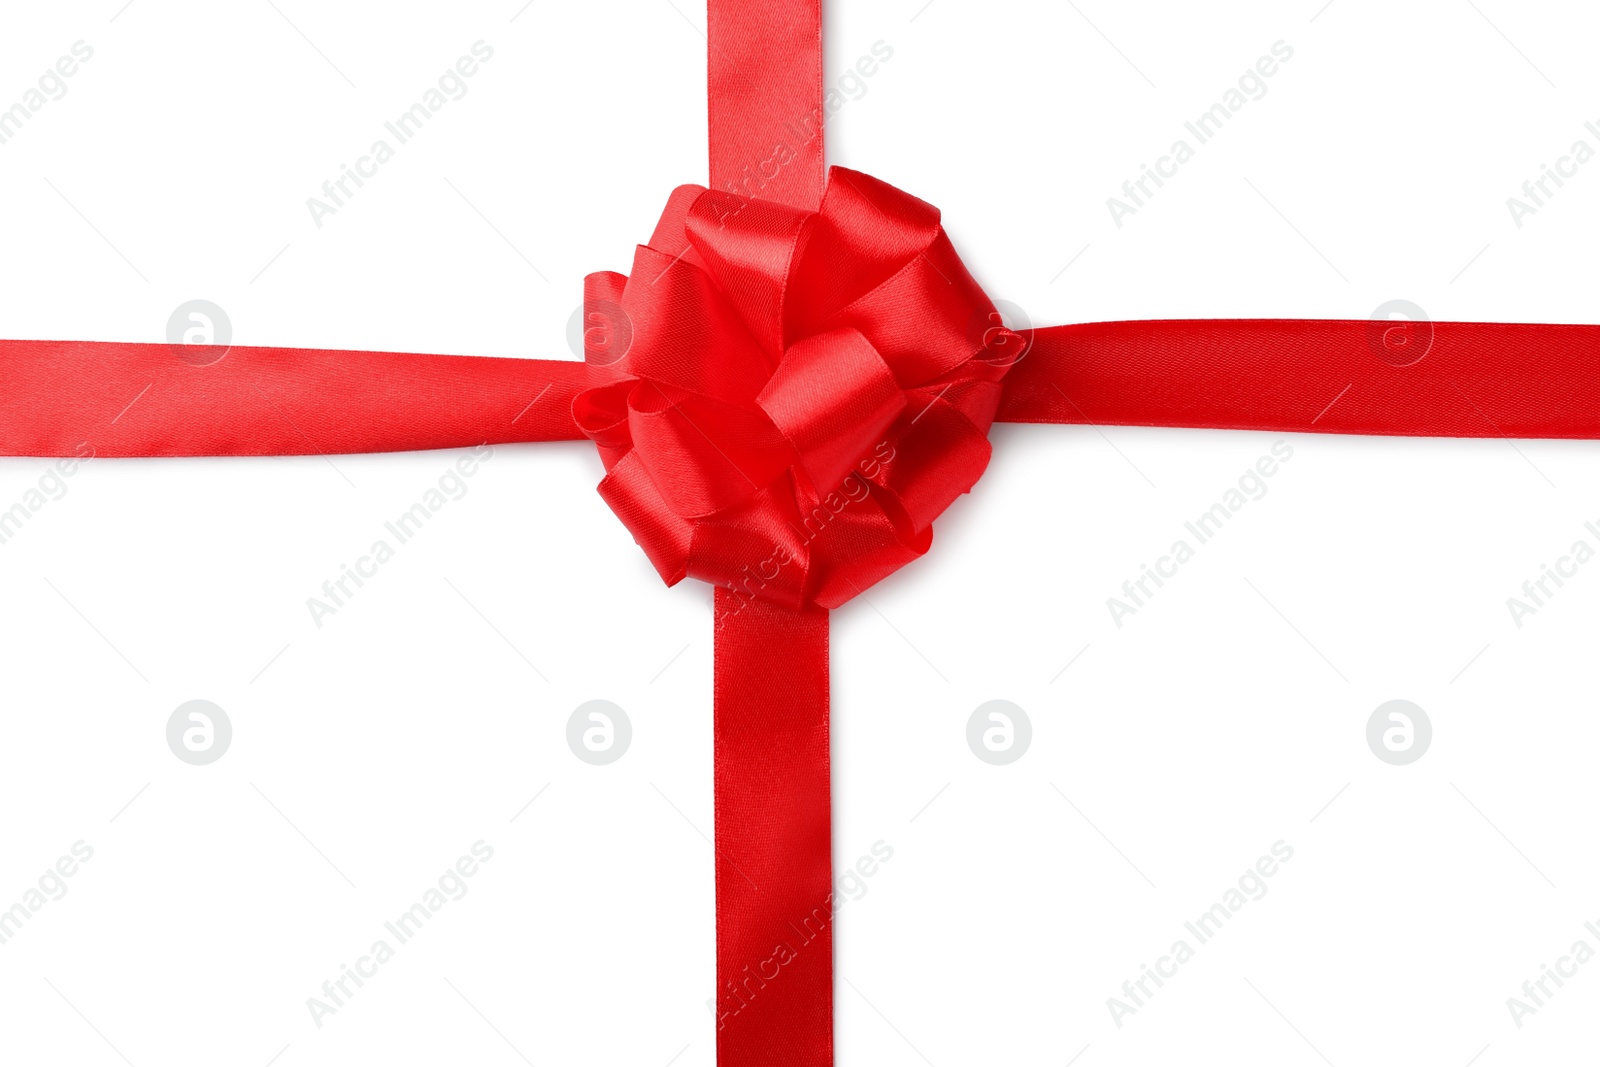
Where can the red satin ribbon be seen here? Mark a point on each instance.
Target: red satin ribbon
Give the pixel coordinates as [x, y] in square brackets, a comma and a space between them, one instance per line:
[774, 908]
[1478, 379]
[774, 1000]
[1442, 379]
[144, 400]
[764, 97]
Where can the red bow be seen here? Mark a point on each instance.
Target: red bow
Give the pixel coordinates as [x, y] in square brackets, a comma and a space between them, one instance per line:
[767, 376]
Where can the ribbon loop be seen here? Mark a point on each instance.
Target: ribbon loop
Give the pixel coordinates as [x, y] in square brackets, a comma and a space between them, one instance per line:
[833, 397]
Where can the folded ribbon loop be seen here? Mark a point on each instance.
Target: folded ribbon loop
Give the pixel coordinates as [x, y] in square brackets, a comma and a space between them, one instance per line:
[802, 393]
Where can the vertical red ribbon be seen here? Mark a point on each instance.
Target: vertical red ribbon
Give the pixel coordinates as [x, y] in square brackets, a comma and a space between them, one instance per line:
[773, 835]
[764, 88]
[773, 802]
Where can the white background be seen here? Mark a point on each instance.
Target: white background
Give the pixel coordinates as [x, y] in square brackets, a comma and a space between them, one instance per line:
[1228, 714]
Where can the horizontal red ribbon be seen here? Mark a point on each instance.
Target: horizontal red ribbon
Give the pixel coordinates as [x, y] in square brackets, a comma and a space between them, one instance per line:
[144, 400]
[1379, 377]
[1282, 375]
